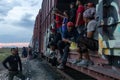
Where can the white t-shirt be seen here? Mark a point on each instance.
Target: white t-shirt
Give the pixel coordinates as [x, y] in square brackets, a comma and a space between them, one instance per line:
[92, 27]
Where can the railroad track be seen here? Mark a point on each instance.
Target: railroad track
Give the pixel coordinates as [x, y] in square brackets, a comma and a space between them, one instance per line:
[71, 74]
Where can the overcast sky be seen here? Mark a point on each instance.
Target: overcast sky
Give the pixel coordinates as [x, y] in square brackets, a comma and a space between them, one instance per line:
[17, 19]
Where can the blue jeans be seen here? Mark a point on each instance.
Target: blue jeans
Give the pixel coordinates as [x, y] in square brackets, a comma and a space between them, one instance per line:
[62, 46]
[59, 30]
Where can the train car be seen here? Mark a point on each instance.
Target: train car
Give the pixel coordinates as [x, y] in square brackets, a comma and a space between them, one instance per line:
[109, 30]
[108, 17]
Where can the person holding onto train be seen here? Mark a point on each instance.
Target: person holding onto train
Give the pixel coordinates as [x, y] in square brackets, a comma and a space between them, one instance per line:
[15, 65]
[72, 13]
[63, 46]
[79, 22]
[90, 42]
[58, 20]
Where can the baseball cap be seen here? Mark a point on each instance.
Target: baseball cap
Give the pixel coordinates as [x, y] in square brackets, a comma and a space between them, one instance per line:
[70, 24]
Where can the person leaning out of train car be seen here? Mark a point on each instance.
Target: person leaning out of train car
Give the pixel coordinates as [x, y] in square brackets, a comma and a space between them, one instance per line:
[58, 19]
[63, 46]
[90, 42]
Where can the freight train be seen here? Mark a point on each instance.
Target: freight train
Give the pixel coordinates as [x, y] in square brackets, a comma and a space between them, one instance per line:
[108, 17]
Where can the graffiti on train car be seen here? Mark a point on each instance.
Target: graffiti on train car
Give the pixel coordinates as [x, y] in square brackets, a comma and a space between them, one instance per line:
[109, 43]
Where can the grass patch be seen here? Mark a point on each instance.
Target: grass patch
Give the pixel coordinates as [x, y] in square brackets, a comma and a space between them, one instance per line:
[4, 52]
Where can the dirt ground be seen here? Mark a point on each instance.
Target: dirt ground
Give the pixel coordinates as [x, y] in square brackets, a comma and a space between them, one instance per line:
[34, 70]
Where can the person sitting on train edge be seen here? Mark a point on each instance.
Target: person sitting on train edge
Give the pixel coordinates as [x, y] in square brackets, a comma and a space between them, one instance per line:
[72, 13]
[68, 37]
[58, 19]
[79, 23]
[91, 41]
[54, 38]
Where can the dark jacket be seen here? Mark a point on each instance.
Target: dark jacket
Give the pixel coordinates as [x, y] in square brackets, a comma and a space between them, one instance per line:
[55, 37]
[72, 15]
[14, 62]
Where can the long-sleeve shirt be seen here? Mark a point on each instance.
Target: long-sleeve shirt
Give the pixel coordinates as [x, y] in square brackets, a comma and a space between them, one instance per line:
[13, 61]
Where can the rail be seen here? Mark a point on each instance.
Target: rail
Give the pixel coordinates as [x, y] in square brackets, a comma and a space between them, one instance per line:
[109, 25]
[47, 16]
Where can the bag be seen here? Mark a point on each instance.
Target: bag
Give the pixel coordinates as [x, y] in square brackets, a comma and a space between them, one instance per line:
[73, 46]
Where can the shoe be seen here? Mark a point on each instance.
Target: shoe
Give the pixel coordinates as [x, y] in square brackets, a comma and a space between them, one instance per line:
[52, 55]
[83, 63]
[76, 61]
[60, 66]
[90, 63]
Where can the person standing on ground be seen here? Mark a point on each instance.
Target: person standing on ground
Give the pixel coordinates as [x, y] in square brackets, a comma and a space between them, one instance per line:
[29, 52]
[24, 52]
[13, 61]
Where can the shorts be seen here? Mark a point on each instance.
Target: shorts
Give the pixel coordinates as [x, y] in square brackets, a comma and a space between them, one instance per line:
[87, 43]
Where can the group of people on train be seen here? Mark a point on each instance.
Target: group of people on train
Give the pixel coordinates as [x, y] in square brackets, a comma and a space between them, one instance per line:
[76, 26]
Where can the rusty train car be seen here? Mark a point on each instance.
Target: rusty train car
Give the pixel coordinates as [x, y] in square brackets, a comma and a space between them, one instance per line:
[108, 16]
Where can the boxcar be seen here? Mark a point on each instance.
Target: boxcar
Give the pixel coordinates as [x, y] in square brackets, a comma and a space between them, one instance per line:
[108, 17]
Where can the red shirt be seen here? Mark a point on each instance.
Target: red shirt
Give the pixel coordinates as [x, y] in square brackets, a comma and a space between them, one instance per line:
[80, 10]
[59, 21]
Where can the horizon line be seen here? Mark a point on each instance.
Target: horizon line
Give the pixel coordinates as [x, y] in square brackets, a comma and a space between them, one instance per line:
[17, 44]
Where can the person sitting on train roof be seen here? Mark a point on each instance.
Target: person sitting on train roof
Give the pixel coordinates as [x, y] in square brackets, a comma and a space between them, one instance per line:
[79, 23]
[91, 41]
[68, 37]
[58, 19]
[72, 13]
